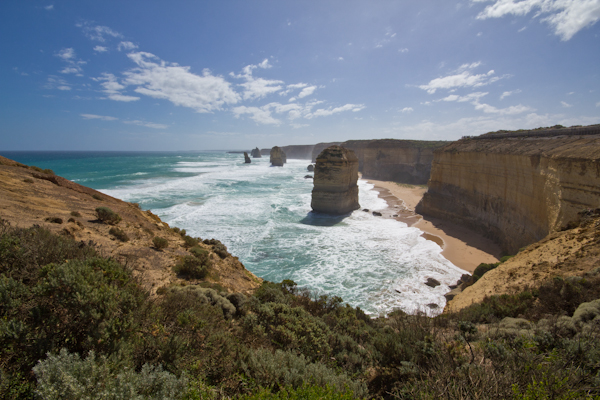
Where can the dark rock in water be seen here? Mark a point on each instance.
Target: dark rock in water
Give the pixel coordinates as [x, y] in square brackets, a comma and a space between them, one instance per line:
[395, 215]
[377, 213]
[453, 286]
[247, 159]
[278, 157]
[366, 210]
[335, 190]
[256, 153]
[464, 278]
[310, 168]
[432, 282]
[433, 306]
[308, 177]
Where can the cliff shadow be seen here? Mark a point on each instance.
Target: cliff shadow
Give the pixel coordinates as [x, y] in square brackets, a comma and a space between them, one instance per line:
[322, 219]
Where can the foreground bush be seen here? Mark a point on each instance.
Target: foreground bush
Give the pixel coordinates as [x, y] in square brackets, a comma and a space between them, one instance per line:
[160, 243]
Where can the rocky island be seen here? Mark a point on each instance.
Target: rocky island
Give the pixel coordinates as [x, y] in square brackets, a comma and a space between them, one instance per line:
[336, 173]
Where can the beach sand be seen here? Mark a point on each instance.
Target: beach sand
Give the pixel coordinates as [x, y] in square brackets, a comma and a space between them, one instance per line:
[461, 246]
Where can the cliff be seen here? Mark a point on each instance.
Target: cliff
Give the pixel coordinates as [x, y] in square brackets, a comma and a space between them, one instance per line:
[404, 161]
[319, 147]
[335, 190]
[518, 189]
[28, 196]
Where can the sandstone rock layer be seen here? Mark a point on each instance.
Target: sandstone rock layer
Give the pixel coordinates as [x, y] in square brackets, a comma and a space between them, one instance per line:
[514, 190]
[336, 173]
[278, 157]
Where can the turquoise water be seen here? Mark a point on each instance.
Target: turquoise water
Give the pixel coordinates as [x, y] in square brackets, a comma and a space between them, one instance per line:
[263, 215]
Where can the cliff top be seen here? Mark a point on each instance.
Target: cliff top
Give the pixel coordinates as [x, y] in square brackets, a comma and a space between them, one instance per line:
[32, 196]
[559, 146]
[395, 143]
[337, 153]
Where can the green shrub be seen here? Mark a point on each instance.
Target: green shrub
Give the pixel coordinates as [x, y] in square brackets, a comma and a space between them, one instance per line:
[160, 243]
[218, 247]
[75, 214]
[107, 215]
[306, 391]
[97, 197]
[191, 267]
[66, 376]
[54, 220]
[119, 234]
[189, 241]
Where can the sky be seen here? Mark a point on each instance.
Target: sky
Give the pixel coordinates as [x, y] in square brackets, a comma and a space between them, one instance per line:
[237, 74]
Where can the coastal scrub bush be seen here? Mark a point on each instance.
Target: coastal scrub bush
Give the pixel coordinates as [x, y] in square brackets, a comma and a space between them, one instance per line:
[189, 241]
[54, 220]
[306, 391]
[66, 376]
[119, 234]
[107, 215]
[191, 267]
[160, 243]
[218, 247]
[75, 214]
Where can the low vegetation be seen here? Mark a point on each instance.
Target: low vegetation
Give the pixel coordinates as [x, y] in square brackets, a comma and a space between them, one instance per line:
[160, 243]
[119, 234]
[74, 324]
[107, 215]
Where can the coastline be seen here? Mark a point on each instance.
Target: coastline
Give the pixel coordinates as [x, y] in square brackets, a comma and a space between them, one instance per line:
[461, 246]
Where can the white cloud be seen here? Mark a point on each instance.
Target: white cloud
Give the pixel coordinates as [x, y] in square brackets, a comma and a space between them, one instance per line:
[101, 117]
[162, 80]
[598, 104]
[512, 110]
[522, 29]
[146, 124]
[98, 33]
[460, 80]
[73, 64]
[387, 39]
[461, 99]
[566, 105]
[307, 91]
[510, 93]
[126, 46]
[404, 50]
[257, 88]
[340, 58]
[113, 88]
[50, 7]
[407, 110]
[100, 49]
[54, 82]
[330, 111]
[260, 115]
[566, 17]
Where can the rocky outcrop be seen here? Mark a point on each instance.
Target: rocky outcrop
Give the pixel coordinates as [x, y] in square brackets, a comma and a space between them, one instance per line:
[256, 153]
[515, 190]
[319, 147]
[278, 157]
[335, 190]
[404, 161]
[247, 159]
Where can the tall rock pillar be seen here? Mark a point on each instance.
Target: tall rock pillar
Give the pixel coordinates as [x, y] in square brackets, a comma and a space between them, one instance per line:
[336, 174]
[278, 157]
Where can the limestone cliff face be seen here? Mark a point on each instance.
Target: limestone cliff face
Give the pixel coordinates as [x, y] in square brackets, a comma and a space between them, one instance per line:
[514, 190]
[299, 152]
[278, 157]
[319, 147]
[405, 161]
[335, 190]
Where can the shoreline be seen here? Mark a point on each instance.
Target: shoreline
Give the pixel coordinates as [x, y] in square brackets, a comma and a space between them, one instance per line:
[461, 246]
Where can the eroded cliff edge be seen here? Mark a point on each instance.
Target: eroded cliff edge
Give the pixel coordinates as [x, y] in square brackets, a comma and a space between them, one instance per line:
[516, 189]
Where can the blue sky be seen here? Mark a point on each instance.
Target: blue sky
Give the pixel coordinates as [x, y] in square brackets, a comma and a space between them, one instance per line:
[203, 75]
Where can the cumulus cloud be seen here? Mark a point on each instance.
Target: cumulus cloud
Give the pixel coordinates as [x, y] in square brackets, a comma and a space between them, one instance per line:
[406, 110]
[512, 110]
[566, 17]
[307, 91]
[54, 82]
[510, 93]
[146, 124]
[98, 32]
[163, 80]
[73, 64]
[461, 99]
[257, 88]
[101, 117]
[261, 115]
[126, 46]
[50, 7]
[322, 112]
[100, 49]
[113, 88]
[462, 78]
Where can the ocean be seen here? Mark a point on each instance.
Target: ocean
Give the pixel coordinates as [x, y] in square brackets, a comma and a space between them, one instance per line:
[263, 215]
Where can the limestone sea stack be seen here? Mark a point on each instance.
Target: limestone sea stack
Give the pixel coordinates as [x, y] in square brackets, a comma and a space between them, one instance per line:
[335, 190]
[278, 157]
[256, 153]
[247, 159]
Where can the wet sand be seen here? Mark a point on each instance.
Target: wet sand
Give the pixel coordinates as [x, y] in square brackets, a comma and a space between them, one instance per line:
[461, 246]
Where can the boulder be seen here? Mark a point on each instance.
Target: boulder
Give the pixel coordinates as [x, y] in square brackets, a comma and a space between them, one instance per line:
[377, 213]
[278, 157]
[310, 168]
[432, 282]
[335, 190]
[308, 177]
[247, 159]
[255, 153]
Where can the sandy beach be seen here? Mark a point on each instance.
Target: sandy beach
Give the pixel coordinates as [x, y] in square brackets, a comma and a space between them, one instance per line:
[461, 246]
